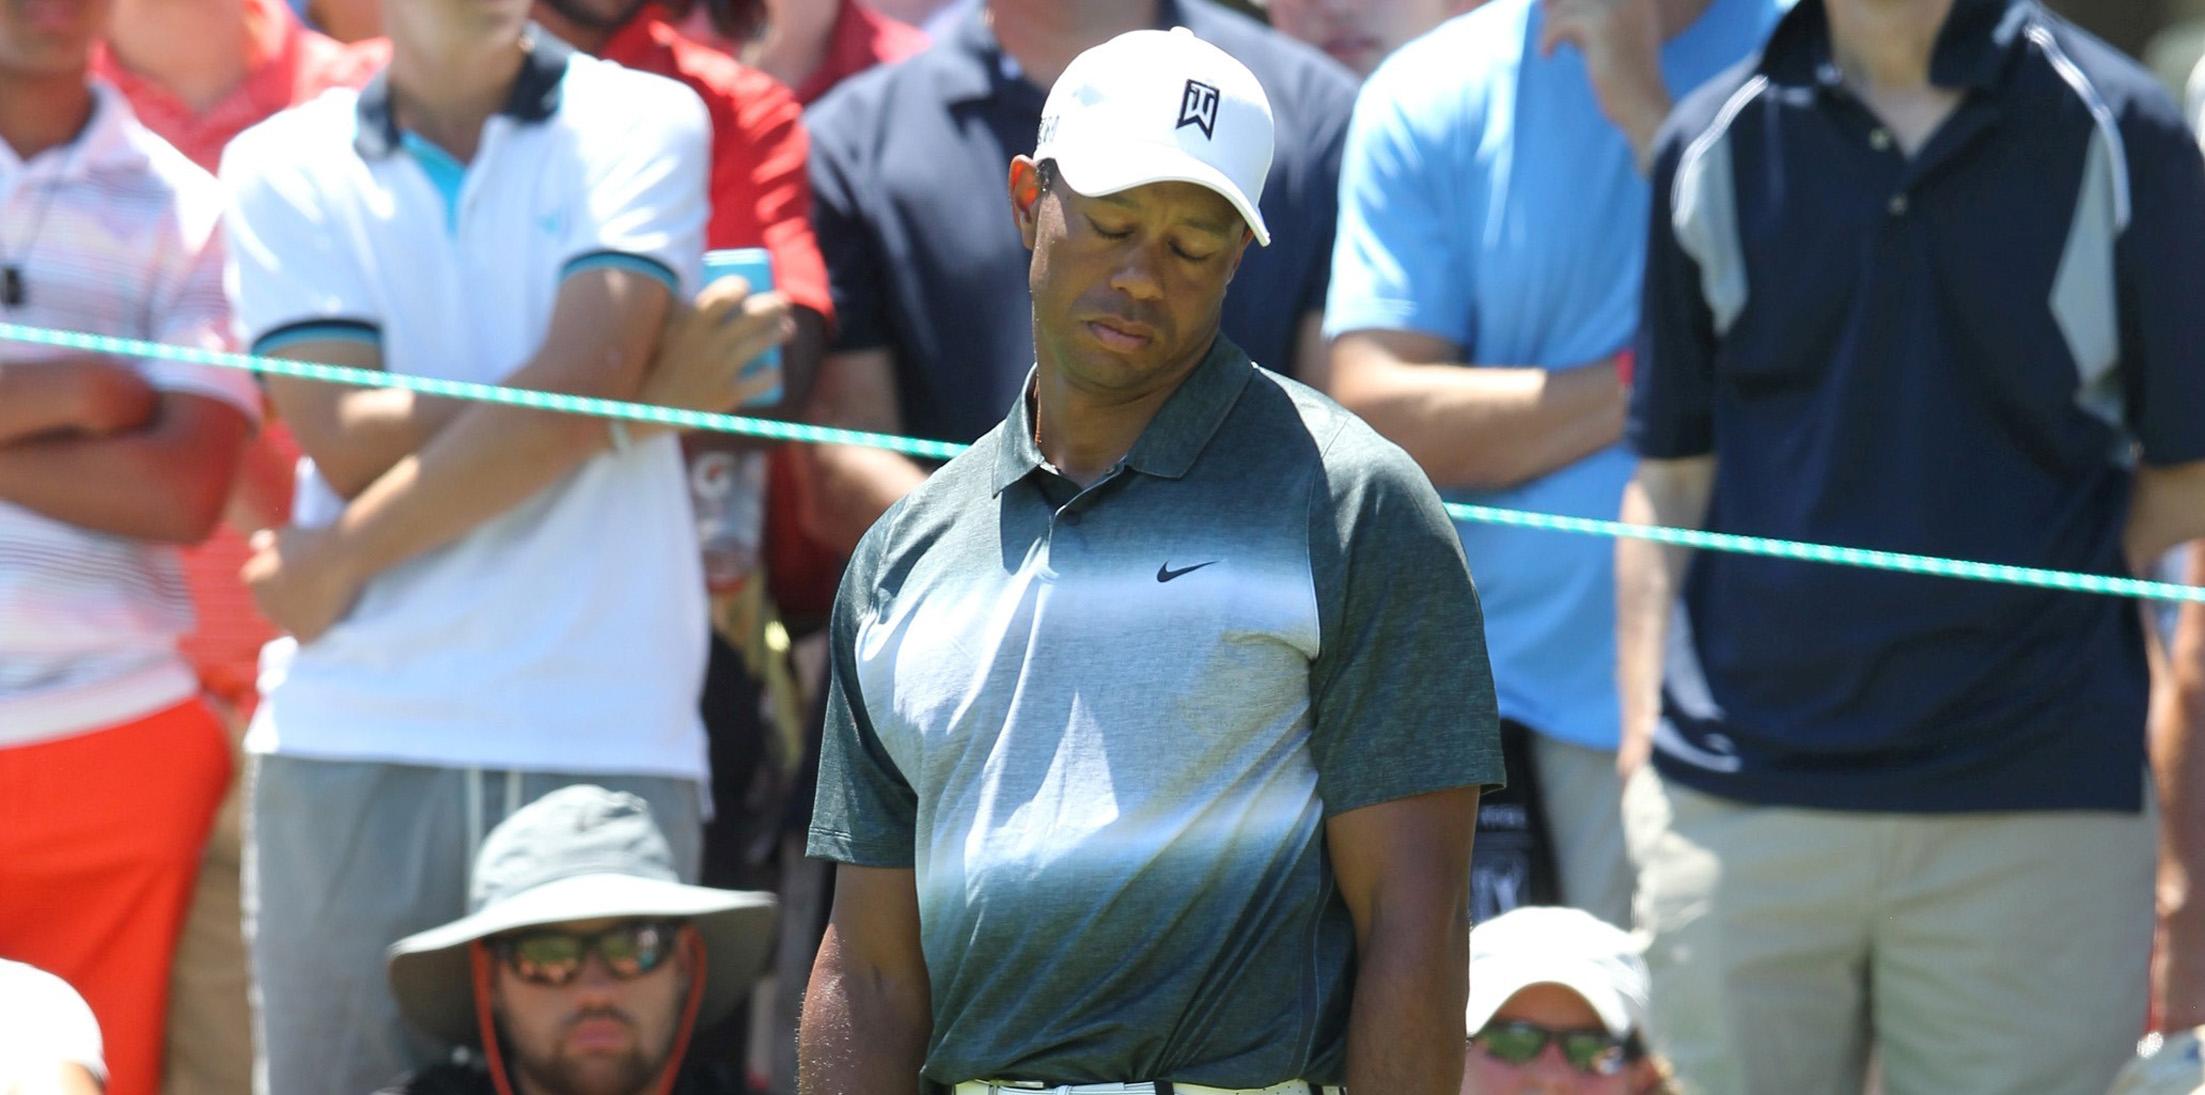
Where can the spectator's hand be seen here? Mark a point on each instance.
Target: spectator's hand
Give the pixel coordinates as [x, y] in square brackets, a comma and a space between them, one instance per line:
[702, 351]
[94, 393]
[115, 399]
[1631, 754]
[1621, 42]
[299, 580]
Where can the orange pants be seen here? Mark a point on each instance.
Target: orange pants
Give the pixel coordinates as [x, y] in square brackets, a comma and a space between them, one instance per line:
[100, 836]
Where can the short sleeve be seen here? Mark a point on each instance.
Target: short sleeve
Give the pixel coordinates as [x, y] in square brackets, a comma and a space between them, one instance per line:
[761, 194]
[1395, 262]
[2160, 261]
[645, 208]
[1401, 691]
[291, 276]
[187, 306]
[43, 1019]
[1673, 379]
[865, 812]
[853, 272]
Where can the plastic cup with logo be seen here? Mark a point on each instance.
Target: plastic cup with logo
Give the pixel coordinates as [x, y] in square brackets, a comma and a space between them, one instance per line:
[754, 265]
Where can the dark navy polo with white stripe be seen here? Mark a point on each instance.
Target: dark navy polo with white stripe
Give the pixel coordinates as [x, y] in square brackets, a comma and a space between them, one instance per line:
[1963, 352]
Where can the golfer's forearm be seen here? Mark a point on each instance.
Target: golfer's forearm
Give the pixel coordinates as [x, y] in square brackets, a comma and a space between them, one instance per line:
[863, 1032]
[1398, 1041]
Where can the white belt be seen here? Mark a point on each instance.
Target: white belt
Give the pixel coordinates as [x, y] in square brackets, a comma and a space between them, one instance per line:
[1009, 1087]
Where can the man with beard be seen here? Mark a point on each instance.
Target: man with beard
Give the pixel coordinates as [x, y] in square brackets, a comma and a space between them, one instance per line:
[584, 965]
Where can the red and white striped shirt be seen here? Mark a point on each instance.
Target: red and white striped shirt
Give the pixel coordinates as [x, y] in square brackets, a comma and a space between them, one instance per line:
[114, 233]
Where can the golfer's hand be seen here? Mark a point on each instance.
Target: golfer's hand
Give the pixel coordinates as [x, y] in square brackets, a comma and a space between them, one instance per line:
[702, 351]
[299, 580]
[1621, 42]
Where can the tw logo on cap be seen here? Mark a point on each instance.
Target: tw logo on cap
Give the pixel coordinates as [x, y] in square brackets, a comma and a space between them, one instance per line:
[1198, 108]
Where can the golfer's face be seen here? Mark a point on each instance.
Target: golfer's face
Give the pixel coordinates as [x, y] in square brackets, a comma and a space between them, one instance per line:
[597, 1034]
[1127, 287]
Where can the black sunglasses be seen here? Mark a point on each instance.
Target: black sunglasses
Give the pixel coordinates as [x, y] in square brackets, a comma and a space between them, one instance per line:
[1515, 1042]
[553, 957]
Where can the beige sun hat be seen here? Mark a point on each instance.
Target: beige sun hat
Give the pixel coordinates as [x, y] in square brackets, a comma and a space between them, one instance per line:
[578, 853]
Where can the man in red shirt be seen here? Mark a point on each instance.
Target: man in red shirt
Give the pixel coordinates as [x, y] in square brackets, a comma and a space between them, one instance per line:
[197, 73]
[807, 45]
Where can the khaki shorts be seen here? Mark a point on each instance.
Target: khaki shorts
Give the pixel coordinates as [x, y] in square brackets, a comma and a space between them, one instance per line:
[1973, 953]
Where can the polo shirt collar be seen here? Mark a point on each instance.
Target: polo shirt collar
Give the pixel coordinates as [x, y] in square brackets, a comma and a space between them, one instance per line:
[534, 96]
[1973, 48]
[976, 58]
[1167, 448]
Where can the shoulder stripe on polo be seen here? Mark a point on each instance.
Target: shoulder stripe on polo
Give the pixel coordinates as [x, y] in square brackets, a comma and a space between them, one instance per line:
[1703, 210]
[2084, 299]
[2100, 115]
[318, 330]
[623, 260]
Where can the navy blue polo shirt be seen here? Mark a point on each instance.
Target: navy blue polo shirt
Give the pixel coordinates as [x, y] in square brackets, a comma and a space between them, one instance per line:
[1960, 353]
[910, 168]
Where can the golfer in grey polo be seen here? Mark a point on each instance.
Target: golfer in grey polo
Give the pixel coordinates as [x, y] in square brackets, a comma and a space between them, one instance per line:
[1157, 719]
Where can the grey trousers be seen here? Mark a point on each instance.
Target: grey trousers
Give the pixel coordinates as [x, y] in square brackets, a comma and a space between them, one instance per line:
[344, 858]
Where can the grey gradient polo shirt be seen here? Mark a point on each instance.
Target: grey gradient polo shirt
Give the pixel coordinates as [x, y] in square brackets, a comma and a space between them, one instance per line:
[1106, 727]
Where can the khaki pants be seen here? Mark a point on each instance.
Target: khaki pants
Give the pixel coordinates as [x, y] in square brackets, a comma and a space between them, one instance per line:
[1579, 791]
[210, 1022]
[1978, 953]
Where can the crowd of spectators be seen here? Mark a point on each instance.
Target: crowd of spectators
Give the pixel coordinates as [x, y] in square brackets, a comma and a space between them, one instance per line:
[292, 672]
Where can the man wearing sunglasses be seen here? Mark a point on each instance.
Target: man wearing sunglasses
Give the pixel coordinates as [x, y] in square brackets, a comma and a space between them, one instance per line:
[1557, 999]
[584, 965]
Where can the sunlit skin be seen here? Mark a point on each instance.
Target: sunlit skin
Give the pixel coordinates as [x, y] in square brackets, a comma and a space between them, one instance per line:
[1556, 1008]
[1360, 33]
[1127, 290]
[596, 1034]
[49, 38]
[587, 24]
[449, 27]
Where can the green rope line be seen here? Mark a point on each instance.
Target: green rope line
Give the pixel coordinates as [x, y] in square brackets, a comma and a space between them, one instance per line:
[942, 450]
[480, 393]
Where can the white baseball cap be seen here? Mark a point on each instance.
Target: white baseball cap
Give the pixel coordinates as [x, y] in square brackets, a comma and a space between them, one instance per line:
[1153, 106]
[1555, 946]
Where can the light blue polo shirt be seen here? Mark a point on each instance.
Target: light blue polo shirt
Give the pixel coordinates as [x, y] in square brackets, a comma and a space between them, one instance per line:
[1484, 199]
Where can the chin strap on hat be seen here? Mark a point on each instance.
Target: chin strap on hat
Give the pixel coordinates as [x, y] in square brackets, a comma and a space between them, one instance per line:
[478, 958]
[693, 942]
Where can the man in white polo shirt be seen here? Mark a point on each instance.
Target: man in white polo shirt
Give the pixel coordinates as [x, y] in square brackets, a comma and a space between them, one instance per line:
[487, 603]
[110, 767]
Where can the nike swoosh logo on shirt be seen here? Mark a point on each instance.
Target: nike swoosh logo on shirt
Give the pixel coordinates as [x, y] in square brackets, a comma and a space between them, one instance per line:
[1165, 573]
